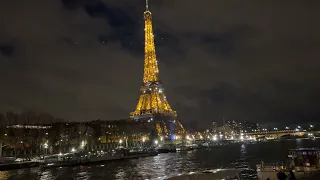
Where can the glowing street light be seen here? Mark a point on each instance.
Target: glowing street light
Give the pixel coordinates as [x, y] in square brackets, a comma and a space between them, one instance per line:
[156, 142]
[120, 141]
[82, 144]
[73, 150]
[188, 137]
[214, 138]
[45, 145]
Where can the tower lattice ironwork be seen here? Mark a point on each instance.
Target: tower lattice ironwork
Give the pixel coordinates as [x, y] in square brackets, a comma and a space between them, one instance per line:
[152, 102]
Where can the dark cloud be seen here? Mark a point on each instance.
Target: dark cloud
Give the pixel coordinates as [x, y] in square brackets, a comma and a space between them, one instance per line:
[82, 60]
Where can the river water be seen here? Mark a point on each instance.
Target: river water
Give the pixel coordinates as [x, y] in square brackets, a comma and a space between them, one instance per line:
[242, 156]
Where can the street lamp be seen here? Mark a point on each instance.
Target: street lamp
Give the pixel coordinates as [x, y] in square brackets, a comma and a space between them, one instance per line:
[214, 138]
[143, 140]
[82, 144]
[46, 147]
[156, 142]
[188, 138]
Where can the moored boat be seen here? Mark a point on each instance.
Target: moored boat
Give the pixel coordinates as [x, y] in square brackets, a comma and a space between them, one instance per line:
[166, 148]
[303, 162]
[138, 152]
[187, 147]
[60, 160]
[85, 158]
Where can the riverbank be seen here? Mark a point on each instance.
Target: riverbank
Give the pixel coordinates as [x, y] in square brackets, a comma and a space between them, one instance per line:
[30, 164]
[241, 156]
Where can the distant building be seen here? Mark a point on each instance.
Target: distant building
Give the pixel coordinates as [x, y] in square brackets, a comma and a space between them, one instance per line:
[21, 139]
[249, 126]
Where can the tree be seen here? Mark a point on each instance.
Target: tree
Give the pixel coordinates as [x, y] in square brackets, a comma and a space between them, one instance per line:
[2, 143]
[3, 135]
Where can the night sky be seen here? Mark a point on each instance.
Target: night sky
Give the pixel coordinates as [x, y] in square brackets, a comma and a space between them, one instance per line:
[83, 59]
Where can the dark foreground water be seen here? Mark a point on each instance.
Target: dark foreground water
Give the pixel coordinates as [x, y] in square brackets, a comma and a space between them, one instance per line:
[243, 156]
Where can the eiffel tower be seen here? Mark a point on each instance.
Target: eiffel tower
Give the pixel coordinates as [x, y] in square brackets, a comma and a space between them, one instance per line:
[153, 105]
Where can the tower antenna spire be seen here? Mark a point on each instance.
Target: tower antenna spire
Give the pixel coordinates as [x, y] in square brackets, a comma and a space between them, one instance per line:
[147, 5]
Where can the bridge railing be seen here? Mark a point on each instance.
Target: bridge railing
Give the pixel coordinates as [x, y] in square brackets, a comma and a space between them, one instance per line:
[272, 132]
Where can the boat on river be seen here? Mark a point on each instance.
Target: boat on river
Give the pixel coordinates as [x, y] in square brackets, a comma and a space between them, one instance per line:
[303, 162]
[85, 158]
[216, 174]
[166, 148]
[60, 160]
[187, 147]
[137, 153]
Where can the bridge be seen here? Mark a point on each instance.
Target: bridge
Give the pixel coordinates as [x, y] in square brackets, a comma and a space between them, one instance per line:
[276, 134]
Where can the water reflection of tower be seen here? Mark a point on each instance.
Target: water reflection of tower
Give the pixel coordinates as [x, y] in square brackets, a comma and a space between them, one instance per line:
[243, 162]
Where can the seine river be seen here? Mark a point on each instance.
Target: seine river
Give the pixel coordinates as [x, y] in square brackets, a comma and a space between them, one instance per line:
[242, 156]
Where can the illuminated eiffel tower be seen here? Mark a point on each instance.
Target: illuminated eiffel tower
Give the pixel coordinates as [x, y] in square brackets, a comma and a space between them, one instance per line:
[153, 104]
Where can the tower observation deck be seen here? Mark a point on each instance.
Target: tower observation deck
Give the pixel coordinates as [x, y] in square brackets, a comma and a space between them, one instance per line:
[153, 104]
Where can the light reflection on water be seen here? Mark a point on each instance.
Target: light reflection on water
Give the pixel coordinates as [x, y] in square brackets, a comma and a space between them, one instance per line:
[45, 175]
[242, 156]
